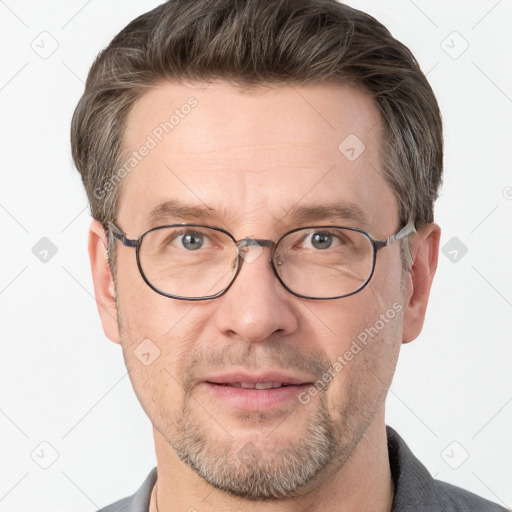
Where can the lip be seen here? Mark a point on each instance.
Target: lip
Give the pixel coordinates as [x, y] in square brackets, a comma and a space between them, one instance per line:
[283, 377]
[256, 399]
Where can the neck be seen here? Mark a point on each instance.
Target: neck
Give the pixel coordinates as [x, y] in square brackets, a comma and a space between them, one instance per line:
[363, 484]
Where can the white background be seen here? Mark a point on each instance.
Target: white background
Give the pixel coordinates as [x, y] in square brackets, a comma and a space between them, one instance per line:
[65, 384]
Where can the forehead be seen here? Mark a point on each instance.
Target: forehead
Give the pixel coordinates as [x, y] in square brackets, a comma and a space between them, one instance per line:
[253, 156]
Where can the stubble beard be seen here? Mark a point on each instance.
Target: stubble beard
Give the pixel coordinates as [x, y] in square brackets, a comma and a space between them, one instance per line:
[268, 469]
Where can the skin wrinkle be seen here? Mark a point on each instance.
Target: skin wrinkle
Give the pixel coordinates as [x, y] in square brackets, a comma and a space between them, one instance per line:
[316, 455]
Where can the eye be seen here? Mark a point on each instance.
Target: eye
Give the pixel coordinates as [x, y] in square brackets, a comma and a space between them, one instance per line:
[187, 242]
[192, 240]
[321, 240]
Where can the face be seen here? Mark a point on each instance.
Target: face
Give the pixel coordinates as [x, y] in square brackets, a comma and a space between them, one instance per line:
[250, 159]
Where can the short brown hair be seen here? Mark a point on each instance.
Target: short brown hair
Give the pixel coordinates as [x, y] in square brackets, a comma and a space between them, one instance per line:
[258, 42]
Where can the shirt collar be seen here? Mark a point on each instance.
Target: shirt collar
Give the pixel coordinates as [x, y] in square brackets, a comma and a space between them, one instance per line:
[414, 486]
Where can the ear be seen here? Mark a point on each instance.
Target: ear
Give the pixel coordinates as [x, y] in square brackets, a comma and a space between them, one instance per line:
[104, 288]
[425, 251]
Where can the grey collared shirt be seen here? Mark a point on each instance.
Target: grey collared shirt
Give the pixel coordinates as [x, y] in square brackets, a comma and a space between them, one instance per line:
[415, 489]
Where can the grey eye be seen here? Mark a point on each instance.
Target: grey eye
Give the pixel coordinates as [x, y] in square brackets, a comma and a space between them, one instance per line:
[192, 240]
[321, 240]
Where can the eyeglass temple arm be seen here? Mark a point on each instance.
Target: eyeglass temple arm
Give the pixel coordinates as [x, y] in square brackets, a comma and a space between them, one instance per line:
[119, 235]
[405, 231]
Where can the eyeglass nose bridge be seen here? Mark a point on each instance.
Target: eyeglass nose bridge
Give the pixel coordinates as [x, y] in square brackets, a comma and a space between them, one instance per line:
[249, 241]
[254, 242]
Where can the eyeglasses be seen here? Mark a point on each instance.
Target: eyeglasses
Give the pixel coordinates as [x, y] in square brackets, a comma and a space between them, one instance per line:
[197, 262]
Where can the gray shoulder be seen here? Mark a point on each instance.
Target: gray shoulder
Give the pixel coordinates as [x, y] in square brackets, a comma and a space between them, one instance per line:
[455, 499]
[137, 502]
[119, 506]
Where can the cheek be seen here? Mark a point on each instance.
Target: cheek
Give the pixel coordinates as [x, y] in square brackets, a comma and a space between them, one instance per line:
[146, 314]
[364, 372]
[155, 359]
[158, 335]
[364, 343]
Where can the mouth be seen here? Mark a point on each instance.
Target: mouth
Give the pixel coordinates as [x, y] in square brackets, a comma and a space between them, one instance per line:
[253, 385]
[256, 392]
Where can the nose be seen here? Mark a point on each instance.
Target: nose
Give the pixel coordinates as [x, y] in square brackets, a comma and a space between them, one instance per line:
[256, 306]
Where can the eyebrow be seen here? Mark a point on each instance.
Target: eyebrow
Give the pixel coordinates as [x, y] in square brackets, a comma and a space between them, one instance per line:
[331, 211]
[178, 211]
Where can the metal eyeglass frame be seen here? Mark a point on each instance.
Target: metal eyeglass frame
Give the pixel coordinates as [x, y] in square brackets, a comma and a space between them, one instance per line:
[249, 241]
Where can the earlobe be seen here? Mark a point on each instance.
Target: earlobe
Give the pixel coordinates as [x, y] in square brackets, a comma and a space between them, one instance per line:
[425, 251]
[104, 287]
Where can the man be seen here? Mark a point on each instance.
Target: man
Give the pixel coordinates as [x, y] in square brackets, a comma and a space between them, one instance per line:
[262, 177]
